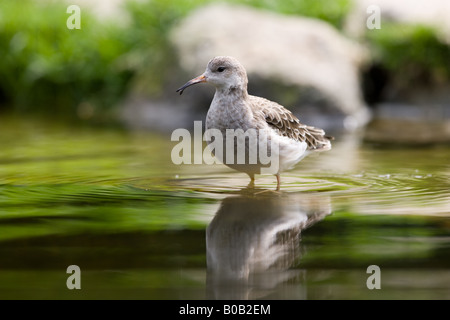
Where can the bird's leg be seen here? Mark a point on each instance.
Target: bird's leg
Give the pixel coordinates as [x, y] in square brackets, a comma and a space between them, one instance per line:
[276, 191]
[252, 180]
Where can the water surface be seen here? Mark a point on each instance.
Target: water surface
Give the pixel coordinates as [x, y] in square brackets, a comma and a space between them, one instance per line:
[139, 227]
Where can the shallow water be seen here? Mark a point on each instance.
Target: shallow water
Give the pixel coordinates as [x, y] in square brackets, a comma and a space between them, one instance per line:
[139, 227]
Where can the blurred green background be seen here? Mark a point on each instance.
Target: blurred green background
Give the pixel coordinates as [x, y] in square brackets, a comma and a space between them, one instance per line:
[84, 74]
[47, 68]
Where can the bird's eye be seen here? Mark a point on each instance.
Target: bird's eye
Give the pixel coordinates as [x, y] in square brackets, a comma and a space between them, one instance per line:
[220, 69]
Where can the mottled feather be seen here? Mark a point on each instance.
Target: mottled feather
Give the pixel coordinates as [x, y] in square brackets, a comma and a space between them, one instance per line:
[286, 124]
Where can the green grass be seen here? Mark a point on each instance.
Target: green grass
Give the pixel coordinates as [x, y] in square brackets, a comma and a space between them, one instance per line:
[47, 67]
[331, 11]
[413, 53]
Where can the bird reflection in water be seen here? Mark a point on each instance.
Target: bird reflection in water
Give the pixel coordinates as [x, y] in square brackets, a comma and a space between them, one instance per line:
[253, 242]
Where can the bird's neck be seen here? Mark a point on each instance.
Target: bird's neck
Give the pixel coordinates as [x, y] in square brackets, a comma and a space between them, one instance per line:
[232, 106]
[229, 109]
[232, 93]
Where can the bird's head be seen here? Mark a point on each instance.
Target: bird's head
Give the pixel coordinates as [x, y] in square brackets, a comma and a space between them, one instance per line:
[225, 73]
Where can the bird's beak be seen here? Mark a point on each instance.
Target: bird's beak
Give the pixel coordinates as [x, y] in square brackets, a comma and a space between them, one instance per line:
[199, 79]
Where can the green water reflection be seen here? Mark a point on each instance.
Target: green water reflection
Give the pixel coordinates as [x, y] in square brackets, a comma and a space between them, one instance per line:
[140, 227]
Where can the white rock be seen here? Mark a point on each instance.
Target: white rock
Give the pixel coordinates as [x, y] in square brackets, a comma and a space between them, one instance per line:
[432, 13]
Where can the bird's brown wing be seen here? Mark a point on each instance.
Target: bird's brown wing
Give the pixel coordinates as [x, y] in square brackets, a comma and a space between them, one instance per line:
[286, 124]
